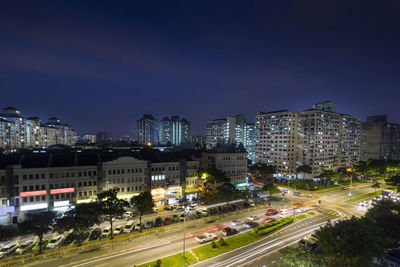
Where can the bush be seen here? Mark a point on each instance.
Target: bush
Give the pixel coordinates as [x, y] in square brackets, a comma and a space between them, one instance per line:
[222, 242]
[267, 228]
[213, 244]
[158, 263]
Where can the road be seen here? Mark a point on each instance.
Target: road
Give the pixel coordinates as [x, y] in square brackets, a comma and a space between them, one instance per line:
[144, 250]
[252, 253]
[166, 243]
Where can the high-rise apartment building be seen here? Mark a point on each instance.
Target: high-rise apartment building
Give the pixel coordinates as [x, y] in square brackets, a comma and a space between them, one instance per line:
[324, 140]
[19, 132]
[234, 130]
[147, 131]
[165, 132]
[276, 139]
[174, 130]
[380, 139]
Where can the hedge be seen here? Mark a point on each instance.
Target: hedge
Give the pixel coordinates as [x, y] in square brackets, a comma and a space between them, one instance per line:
[269, 227]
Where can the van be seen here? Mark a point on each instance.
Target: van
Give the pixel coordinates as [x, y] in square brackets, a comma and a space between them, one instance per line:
[129, 227]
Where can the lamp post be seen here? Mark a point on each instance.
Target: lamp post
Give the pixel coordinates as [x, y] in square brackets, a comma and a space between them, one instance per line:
[184, 236]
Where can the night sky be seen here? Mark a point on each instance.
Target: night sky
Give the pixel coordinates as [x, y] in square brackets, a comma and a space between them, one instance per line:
[99, 65]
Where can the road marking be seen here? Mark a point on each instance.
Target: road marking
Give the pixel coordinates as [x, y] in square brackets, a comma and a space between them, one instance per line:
[116, 255]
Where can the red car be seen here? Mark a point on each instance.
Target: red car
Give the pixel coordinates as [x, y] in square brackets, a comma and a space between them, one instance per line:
[271, 212]
[267, 220]
[167, 220]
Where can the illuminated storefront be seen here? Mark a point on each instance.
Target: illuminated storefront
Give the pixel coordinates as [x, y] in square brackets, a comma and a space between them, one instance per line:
[158, 195]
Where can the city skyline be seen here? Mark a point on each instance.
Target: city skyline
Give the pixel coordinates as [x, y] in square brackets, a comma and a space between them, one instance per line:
[95, 63]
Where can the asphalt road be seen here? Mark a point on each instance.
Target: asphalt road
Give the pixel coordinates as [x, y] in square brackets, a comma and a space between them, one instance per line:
[163, 244]
[252, 254]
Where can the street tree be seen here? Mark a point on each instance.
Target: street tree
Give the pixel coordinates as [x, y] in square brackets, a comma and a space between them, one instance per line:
[143, 203]
[271, 189]
[80, 219]
[111, 205]
[376, 185]
[394, 181]
[210, 179]
[303, 169]
[227, 192]
[386, 215]
[263, 169]
[38, 224]
[352, 242]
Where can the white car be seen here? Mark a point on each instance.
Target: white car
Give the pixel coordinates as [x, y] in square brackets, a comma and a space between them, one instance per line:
[127, 215]
[253, 218]
[106, 232]
[25, 247]
[55, 241]
[8, 249]
[118, 230]
[207, 237]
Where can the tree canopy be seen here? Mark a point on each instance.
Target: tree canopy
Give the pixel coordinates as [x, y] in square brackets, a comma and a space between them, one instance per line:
[304, 169]
[80, 219]
[111, 205]
[143, 203]
[38, 224]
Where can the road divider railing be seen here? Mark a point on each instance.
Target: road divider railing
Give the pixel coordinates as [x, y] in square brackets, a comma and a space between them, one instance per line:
[106, 242]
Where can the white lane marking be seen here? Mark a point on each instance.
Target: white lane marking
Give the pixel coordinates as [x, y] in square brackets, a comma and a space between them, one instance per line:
[113, 256]
[244, 255]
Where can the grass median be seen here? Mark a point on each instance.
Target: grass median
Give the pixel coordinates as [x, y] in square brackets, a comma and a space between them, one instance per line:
[233, 242]
[354, 199]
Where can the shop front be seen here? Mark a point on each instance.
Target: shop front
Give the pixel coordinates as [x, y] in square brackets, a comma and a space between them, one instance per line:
[158, 195]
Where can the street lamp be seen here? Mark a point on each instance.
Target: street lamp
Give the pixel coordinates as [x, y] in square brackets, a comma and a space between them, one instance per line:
[184, 235]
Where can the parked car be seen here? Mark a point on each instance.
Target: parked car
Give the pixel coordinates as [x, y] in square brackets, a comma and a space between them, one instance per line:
[106, 232]
[155, 210]
[167, 220]
[71, 237]
[149, 224]
[204, 212]
[271, 212]
[175, 217]
[25, 247]
[267, 220]
[44, 245]
[253, 218]
[129, 227]
[55, 241]
[251, 224]
[82, 237]
[158, 222]
[127, 215]
[138, 226]
[8, 249]
[95, 234]
[198, 214]
[205, 238]
[107, 218]
[227, 231]
[297, 194]
[118, 230]
[246, 205]
[169, 208]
